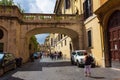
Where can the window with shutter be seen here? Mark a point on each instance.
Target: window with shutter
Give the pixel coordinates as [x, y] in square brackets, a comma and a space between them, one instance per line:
[89, 39]
[67, 4]
[87, 8]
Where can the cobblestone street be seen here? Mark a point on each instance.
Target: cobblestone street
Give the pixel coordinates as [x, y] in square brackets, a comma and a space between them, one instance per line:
[47, 69]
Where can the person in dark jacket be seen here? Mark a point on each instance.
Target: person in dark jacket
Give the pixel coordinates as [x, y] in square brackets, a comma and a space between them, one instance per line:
[88, 62]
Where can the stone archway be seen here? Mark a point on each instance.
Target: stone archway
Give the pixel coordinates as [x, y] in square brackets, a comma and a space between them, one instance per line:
[113, 31]
[71, 33]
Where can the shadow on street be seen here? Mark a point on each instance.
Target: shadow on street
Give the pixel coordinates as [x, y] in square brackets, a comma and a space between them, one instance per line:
[33, 66]
[97, 77]
[55, 64]
[12, 78]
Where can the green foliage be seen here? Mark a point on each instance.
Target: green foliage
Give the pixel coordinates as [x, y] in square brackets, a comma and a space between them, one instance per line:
[34, 41]
[11, 3]
[7, 2]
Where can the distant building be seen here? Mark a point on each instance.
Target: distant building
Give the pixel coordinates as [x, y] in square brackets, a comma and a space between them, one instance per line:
[61, 42]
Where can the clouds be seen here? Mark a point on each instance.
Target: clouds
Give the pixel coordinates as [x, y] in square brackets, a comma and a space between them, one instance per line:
[47, 6]
[37, 6]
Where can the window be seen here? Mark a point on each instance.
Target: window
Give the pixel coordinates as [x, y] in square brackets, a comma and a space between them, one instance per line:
[1, 34]
[89, 39]
[87, 8]
[64, 35]
[61, 44]
[61, 36]
[67, 4]
[65, 43]
[51, 41]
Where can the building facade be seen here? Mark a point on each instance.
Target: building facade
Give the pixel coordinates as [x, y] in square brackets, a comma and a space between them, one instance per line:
[109, 18]
[61, 43]
[102, 43]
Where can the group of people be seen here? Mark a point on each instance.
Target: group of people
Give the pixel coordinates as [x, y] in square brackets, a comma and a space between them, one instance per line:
[56, 55]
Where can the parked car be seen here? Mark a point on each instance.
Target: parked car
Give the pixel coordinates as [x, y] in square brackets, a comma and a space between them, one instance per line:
[73, 57]
[7, 62]
[77, 57]
[36, 55]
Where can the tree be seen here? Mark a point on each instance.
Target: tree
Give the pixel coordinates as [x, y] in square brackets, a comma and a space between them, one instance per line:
[7, 2]
[33, 41]
[11, 3]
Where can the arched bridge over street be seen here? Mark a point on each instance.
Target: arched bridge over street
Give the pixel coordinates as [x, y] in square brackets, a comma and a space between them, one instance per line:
[19, 27]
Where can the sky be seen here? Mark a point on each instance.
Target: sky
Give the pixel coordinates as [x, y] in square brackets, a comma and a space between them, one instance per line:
[37, 6]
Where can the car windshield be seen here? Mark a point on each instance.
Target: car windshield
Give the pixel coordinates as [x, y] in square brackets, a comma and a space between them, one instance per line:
[1, 56]
[80, 53]
[73, 53]
[35, 54]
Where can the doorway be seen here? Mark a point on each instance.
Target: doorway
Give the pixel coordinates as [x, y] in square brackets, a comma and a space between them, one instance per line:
[114, 38]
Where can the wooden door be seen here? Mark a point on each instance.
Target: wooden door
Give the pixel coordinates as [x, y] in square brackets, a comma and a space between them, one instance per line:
[114, 35]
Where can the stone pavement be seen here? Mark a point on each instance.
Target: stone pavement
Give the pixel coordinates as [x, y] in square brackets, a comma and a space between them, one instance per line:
[47, 59]
[47, 69]
[97, 73]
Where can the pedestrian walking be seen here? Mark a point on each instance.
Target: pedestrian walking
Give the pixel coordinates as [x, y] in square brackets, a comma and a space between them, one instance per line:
[88, 62]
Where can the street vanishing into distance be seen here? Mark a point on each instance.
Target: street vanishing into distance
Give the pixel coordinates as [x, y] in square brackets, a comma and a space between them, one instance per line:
[47, 69]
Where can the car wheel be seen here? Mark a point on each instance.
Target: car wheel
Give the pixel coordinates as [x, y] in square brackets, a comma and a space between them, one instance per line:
[1, 72]
[15, 66]
[72, 62]
[78, 64]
